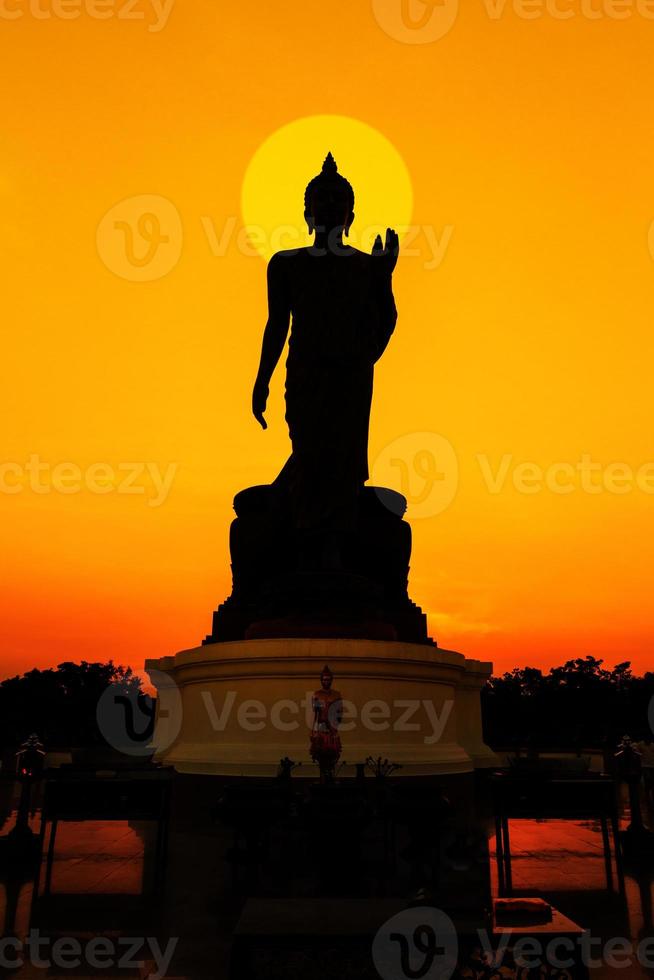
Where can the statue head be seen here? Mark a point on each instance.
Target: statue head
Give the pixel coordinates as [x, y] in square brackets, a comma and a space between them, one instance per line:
[326, 678]
[329, 200]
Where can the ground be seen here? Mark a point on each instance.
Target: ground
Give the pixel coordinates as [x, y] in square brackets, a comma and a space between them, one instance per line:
[107, 862]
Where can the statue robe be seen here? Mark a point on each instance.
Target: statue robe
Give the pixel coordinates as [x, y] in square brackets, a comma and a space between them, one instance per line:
[343, 315]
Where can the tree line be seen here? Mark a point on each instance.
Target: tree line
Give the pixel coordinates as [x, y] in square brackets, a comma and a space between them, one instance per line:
[581, 704]
[60, 704]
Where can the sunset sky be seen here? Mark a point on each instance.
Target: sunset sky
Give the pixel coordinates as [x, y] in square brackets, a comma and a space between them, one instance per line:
[515, 151]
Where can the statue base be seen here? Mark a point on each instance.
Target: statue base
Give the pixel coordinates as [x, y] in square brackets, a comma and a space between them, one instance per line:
[238, 708]
[287, 582]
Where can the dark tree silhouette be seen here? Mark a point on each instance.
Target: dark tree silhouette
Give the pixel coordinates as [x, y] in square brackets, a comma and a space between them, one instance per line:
[60, 705]
[581, 703]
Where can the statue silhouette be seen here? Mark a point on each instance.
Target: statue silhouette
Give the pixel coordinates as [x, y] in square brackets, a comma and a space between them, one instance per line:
[317, 553]
[343, 314]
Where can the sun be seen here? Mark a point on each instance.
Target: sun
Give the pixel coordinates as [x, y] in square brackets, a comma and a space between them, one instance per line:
[273, 187]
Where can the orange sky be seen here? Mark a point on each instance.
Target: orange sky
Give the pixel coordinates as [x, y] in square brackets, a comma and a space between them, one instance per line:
[529, 143]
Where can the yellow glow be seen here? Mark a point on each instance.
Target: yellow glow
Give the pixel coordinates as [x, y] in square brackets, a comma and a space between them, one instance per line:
[273, 188]
[525, 307]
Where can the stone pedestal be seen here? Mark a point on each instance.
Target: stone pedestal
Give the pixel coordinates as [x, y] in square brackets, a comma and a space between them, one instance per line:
[321, 583]
[237, 708]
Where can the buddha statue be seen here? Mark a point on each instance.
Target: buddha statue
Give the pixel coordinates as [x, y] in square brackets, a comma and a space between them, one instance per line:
[341, 304]
[316, 552]
[327, 704]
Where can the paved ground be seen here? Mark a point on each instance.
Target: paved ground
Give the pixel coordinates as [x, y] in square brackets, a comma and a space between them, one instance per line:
[559, 860]
[562, 861]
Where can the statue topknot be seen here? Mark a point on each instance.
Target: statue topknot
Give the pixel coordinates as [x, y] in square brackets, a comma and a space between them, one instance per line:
[330, 166]
[329, 177]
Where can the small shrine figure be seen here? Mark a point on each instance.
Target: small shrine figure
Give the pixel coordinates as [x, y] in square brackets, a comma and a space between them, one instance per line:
[629, 767]
[30, 763]
[327, 705]
[30, 758]
[637, 840]
[629, 760]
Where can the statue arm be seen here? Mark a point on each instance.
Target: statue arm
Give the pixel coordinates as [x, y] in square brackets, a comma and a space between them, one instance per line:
[274, 335]
[384, 258]
[387, 315]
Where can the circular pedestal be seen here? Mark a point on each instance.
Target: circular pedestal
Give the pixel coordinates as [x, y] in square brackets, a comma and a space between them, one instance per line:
[236, 709]
[301, 583]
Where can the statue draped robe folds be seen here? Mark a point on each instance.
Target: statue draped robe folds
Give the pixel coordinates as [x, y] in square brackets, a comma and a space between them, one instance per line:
[317, 552]
[343, 315]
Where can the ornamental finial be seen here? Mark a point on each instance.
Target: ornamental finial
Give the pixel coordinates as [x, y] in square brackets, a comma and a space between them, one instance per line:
[330, 166]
